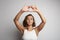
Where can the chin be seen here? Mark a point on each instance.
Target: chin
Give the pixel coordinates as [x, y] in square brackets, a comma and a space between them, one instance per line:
[29, 24]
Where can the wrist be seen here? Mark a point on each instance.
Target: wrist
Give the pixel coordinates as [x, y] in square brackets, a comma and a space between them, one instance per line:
[37, 11]
[21, 11]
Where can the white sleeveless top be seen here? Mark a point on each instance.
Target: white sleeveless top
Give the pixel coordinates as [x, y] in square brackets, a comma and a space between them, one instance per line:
[29, 35]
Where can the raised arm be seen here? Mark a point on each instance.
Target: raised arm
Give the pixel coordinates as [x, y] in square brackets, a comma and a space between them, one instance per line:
[39, 28]
[16, 19]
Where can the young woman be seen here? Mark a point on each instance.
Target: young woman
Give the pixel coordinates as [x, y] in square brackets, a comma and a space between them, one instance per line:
[30, 32]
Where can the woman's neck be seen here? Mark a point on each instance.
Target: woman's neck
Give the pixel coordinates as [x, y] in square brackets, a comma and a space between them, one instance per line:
[30, 28]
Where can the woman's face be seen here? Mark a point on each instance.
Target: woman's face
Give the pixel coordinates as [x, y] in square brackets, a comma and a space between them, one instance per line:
[30, 20]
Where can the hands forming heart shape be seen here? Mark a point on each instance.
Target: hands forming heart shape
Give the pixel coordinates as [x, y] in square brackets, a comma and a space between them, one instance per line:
[26, 8]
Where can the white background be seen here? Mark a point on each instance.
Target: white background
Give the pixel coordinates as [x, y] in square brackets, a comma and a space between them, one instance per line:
[49, 8]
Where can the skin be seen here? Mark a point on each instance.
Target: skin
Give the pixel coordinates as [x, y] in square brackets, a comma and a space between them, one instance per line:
[29, 20]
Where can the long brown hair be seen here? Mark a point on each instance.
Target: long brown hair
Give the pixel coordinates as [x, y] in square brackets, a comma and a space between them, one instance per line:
[25, 21]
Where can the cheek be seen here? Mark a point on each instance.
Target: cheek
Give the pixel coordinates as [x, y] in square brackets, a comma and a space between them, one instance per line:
[30, 21]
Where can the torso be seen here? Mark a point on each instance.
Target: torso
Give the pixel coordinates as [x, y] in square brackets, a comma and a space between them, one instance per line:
[29, 35]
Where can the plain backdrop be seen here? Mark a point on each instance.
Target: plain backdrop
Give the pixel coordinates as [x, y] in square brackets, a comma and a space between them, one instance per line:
[49, 8]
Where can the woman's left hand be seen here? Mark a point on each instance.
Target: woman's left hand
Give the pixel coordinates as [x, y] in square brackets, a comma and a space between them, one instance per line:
[34, 8]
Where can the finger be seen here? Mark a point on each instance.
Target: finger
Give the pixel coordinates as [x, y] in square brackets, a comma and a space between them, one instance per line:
[29, 6]
[35, 7]
[32, 7]
[27, 10]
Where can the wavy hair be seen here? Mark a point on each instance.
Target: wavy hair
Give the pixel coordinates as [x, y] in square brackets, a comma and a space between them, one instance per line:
[25, 21]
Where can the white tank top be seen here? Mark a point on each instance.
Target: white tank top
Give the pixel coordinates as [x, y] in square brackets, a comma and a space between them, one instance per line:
[29, 35]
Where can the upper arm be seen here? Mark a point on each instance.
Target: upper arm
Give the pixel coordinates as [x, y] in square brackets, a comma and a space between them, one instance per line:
[19, 26]
[39, 28]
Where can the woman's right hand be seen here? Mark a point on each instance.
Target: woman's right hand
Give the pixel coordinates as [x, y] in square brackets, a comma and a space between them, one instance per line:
[25, 8]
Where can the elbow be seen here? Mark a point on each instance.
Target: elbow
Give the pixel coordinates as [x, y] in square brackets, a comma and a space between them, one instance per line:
[44, 21]
[14, 20]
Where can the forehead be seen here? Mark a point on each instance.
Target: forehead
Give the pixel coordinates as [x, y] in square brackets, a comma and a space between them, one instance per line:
[30, 17]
